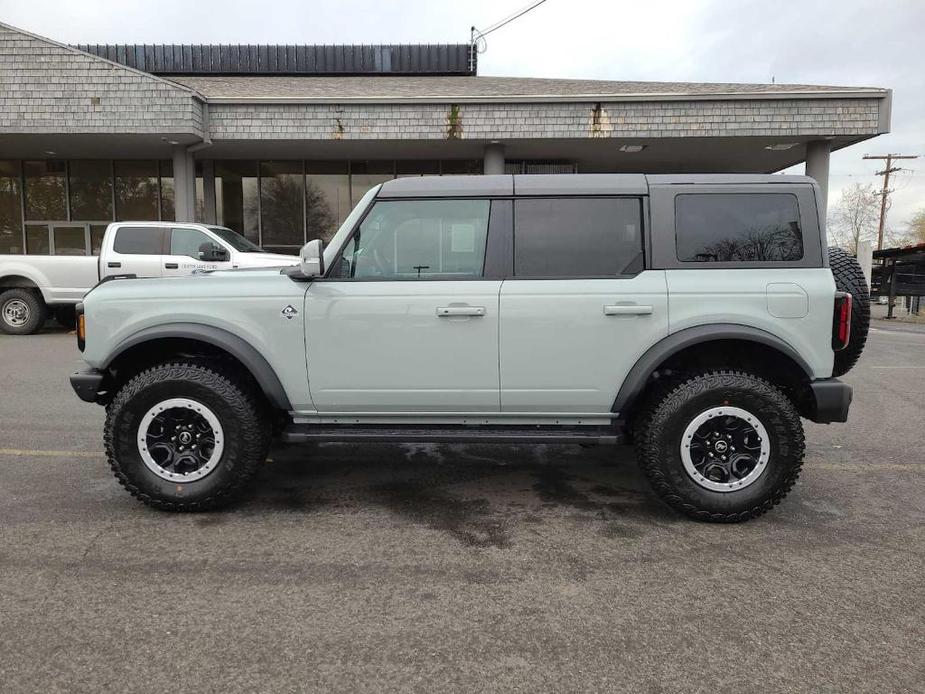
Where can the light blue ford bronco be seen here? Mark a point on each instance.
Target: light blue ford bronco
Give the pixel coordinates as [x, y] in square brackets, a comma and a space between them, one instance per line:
[698, 317]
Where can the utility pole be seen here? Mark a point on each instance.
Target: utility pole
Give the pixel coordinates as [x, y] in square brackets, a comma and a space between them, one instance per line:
[885, 193]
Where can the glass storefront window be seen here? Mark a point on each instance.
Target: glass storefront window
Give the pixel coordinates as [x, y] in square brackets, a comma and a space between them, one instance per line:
[168, 209]
[90, 185]
[327, 198]
[37, 239]
[368, 174]
[97, 232]
[70, 240]
[236, 197]
[45, 189]
[416, 167]
[136, 190]
[281, 203]
[467, 167]
[10, 208]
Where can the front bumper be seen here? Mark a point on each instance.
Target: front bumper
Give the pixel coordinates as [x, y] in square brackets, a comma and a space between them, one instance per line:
[88, 384]
[832, 399]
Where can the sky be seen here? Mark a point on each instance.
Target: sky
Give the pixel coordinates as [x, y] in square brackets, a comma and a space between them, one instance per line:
[875, 43]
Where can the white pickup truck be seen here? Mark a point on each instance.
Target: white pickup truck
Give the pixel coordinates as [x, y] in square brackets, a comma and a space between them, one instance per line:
[34, 286]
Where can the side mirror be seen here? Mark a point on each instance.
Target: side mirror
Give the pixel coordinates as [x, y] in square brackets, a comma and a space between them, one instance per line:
[209, 253]
[311, 258]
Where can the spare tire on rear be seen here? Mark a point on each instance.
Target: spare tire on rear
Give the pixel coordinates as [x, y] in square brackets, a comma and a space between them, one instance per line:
[849, 278]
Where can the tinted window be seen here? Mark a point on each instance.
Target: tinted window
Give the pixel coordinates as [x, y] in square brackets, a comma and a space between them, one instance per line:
[577, 237]
[738, 227]
[70, 240]
[189, 242]
[139, 240]
[417, 239]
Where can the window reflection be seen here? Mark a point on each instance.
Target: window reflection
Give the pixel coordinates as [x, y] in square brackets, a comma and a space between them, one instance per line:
[281, 203]
[168, 210]
[90, 187]
[10, 208]
[45, 187]
[327, 198]
[236, 197]
[136, 190]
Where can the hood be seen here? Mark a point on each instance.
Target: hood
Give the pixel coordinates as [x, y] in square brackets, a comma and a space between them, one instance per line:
[266, 259]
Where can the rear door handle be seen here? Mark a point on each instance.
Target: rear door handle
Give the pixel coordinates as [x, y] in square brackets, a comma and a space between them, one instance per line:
[113, 264]
[445, 311]
[171, 266]
[627, 310]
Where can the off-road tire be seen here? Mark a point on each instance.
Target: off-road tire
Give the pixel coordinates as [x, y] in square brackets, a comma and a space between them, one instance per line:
[661, 426]
[238, 407]
[849, 278]
[36, 311]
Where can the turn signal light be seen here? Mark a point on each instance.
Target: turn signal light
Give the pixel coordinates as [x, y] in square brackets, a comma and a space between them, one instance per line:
[81, 328]
[841, 321]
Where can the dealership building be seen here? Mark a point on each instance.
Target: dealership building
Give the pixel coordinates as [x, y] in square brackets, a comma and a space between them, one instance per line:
[277, 142]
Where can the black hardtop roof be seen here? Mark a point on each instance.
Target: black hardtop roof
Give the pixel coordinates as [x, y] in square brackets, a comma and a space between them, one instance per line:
[563, 184]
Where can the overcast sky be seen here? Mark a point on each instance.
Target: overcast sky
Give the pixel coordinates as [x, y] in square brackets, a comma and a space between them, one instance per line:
[836, 42]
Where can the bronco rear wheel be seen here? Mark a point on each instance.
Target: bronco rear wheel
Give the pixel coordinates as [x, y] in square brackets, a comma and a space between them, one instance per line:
[186, 437]
[723, 446]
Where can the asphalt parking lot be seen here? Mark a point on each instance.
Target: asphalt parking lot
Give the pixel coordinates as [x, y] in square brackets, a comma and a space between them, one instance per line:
[460, 568]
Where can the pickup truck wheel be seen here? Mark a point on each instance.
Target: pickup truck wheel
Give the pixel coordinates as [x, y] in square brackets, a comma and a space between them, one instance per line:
[186, 437]
[21, 312]
[722, 446]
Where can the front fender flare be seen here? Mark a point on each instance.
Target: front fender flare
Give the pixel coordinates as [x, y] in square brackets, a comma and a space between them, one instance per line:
[239, 348]
[638, 376]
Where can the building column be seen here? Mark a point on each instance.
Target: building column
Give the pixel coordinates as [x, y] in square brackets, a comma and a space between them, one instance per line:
[208, 191]
[184, 184]
[493, 158]
[817, 166]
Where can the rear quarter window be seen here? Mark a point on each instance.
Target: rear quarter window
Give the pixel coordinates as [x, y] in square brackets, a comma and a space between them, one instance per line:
[139, 240]
[738, 227]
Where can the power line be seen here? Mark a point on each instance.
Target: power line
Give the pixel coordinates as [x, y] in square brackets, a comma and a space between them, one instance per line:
[885, 192]
[477, 42]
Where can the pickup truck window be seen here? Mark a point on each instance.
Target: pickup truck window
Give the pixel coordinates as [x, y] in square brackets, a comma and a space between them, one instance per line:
[139, 240]
[188, 242]
[418, 239]
[235, 240]
[744, 227]
[577, 237]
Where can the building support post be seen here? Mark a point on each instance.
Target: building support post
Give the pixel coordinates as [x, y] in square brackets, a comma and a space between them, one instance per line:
[209, 214]
[184, 184]
[817, 166]
[493, 159]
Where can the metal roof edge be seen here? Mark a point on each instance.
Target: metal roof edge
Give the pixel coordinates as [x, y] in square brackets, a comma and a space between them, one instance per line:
[555, 98]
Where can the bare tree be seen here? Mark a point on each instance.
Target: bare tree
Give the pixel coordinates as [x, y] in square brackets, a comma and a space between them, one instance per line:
[917, 227]
[855, 217]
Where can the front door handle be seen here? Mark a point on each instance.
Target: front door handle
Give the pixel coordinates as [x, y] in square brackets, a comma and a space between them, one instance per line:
[627, 310]
[111, 264]
[171, 266]
[448, 311]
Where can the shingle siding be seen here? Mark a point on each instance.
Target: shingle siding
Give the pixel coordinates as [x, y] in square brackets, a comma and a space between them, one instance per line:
[48, 88]
[760, 117]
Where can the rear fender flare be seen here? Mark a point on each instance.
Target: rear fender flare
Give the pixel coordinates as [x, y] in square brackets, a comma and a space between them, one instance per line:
[637, 378]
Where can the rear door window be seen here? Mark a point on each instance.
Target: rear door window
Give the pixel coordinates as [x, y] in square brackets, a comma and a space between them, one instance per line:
[577, 237]
[738, 227]
[139, 240]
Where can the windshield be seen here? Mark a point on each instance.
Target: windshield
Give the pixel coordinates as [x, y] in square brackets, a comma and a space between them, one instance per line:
[333, 246]
[235, 240]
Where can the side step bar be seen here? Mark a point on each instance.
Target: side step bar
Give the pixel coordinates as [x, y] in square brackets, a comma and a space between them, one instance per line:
[305, 433]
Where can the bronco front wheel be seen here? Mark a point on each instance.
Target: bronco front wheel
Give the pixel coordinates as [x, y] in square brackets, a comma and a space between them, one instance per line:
[186, 436]
[722, 446]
